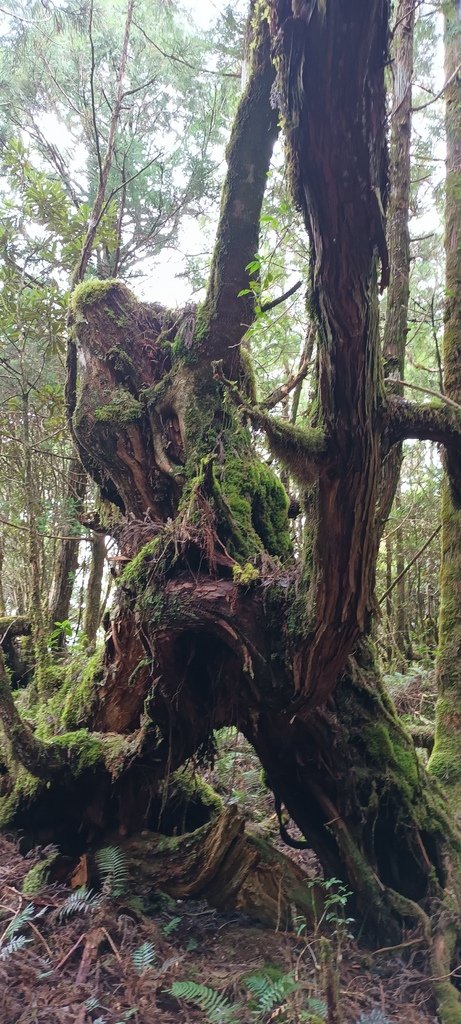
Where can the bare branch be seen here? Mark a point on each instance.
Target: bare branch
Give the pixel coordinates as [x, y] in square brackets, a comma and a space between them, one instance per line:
[449, 81]
[424, 391]
[93, 102]
[181, 60]
[285, 389]
[410, 563]
[266, 306]
[97, 211]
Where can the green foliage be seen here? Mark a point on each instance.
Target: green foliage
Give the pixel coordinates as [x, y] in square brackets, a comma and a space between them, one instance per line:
[144, 957]
[268, 993]
[113, 870]
[217, 1008]
[13, 946]
[80, 901]
[19, 920]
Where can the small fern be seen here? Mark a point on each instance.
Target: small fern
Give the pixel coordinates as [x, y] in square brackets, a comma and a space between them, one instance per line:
[269, 993]
[217, 1008]
[13, 946]
[79, 902]
[113, 870]
[19, 920]
[143, 957]
[317, 1007]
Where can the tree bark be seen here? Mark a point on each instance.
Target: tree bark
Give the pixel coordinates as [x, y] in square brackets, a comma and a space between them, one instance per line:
[445, 762]
[216, 624]
[93, 594]
[67, 558]
[398, 232]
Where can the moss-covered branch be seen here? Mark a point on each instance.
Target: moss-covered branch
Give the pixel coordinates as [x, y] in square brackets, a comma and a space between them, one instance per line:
[434, 421]
[40, 759]
[226, 314]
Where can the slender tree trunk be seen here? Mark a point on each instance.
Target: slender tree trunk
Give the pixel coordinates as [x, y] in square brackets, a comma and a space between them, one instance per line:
[398, 233]
[400, 604]
[36, 610]
[93, 594]
[445, 762]
[2, 593]
[67, 557]
[389, 603]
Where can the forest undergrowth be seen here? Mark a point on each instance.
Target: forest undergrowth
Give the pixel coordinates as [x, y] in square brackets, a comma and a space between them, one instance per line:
[104, 954]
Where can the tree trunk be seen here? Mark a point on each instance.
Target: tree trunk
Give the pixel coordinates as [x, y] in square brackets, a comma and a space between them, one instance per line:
[445, 762]
[67, 558]
[216, 623]
[401, 636]
[93, 594]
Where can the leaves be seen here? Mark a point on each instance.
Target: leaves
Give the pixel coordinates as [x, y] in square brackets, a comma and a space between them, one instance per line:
[144, 957]
[217, 1008]
[113, 870]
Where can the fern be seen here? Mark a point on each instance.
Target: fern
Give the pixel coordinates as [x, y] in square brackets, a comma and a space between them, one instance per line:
[143, 957]
[20, 919]
[79, 902]
[218, 1009]
[269, 993]
[15, 944]
[317, 1007]
[112, 868]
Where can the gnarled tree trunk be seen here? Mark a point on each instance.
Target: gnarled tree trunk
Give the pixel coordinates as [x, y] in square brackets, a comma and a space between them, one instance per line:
[216, 624]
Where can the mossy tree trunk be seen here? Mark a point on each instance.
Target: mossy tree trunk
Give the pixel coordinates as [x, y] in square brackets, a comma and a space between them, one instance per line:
[216, 624]
[445, 762]
[67, 556]
[94, 589]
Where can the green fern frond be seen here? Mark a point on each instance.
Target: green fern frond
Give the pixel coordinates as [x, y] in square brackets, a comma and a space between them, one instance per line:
[217, 1008]
[269, 993]
[113, 870]
[15, 944]
[317, 1007]
[21, 918]
[143, 957]
[79, 902]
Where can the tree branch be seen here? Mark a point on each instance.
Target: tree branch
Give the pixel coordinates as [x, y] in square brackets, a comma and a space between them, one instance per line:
[405, 420]
[281, 392]
[266, 306]
[228, 314]
[43, 760]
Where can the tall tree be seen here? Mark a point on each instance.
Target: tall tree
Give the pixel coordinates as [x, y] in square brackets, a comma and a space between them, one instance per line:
[216, 623]
[445, 762]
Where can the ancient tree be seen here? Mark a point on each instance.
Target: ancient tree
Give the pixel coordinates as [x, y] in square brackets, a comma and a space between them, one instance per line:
[216, 623]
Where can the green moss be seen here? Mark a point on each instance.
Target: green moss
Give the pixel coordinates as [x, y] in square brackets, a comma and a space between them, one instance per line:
[122, 409]
[85, 749]
[38, 876]
[192, 788]
[79, 693]
[24, 790]
[247, 382]
[246, 574]
[378, 743]
[90, 292]
[134, 574]
[259, 506]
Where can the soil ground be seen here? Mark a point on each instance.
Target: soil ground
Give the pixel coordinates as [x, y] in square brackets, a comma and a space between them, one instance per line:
[114, 959]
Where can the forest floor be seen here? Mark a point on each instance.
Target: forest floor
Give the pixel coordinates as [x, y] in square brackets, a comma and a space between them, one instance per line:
[72, 956]
[110, 962]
